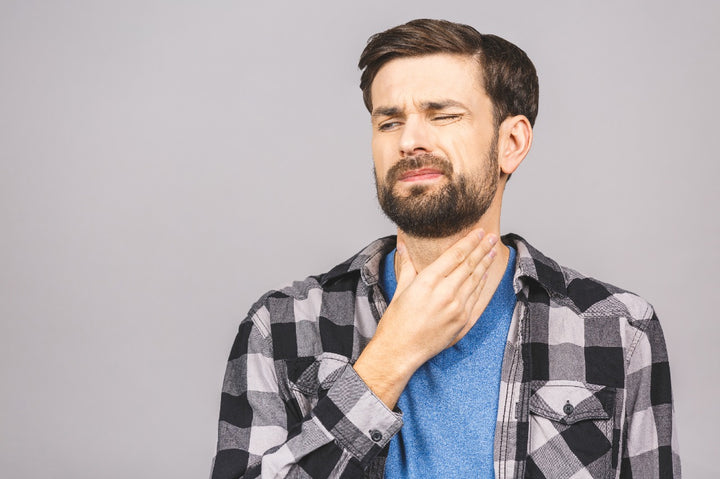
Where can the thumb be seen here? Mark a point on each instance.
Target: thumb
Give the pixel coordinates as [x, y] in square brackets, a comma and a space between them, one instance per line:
[405, 270]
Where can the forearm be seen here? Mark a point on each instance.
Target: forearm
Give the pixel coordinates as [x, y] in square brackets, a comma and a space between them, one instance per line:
[270, 428]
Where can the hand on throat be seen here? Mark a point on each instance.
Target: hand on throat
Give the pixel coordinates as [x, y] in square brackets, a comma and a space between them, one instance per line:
[423, 251]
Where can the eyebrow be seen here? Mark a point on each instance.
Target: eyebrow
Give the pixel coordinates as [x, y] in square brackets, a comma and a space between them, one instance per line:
[441, 105]
[425, 106]
[385, 111]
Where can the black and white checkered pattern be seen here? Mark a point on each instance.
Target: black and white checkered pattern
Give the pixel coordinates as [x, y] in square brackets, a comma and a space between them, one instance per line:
[585, 389]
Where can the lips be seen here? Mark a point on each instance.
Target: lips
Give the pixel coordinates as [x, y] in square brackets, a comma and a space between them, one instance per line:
[422, 167]
[421, 174]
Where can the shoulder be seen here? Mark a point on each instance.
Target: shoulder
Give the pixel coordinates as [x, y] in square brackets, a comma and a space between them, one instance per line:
[580, 328]
[583, 295]
[305, 314]
[595, 298]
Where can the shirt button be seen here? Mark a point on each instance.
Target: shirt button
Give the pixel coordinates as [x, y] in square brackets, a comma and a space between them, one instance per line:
[375, 435]
[568, 408]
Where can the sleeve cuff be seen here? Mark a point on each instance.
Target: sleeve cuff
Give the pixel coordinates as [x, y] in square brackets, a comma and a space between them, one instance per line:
[356, 418]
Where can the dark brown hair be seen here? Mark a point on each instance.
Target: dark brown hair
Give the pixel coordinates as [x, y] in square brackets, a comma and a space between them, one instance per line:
[509, 76]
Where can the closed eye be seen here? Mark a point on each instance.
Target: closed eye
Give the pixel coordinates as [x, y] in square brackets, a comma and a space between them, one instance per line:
[446, 118]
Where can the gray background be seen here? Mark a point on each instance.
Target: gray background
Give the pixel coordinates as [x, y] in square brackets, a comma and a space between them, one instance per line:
[162, 164]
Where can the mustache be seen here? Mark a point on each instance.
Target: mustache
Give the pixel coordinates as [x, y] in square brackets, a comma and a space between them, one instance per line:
[423, 160]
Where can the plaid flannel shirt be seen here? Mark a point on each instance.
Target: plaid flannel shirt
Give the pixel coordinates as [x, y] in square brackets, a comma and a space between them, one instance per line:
[585, 388]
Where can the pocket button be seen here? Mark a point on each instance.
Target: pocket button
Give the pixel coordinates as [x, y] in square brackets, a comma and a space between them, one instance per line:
[568, 408]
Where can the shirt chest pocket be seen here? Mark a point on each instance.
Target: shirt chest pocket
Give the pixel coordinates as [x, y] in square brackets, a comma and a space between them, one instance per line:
[571, 431]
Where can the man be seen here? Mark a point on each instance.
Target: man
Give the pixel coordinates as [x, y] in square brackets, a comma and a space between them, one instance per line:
[445, 352]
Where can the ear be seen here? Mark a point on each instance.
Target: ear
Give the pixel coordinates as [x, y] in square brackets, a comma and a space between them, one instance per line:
[514, 139]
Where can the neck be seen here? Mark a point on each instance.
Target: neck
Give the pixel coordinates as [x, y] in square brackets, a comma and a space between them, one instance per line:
[423, 251]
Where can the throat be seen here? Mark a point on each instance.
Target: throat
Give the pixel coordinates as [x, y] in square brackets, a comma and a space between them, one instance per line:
[424, 251]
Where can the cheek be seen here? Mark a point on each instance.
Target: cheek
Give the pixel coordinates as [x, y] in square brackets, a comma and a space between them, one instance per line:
[383, 156]
[460, 152]
[467, 151]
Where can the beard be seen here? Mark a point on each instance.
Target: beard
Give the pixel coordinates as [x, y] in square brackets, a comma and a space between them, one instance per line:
[429, 211]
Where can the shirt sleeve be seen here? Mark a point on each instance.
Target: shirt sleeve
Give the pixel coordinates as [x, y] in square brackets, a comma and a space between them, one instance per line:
[650, 442]
[266, 430]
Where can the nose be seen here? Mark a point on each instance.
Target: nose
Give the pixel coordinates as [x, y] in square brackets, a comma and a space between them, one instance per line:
[415, 137]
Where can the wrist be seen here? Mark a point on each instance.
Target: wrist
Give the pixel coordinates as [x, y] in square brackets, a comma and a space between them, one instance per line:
[385, 373]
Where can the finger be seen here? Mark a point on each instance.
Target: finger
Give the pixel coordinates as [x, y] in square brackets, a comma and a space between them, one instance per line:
[405, 268]
[475, 264]
[455, 255]
[477, 279]
[472, 301]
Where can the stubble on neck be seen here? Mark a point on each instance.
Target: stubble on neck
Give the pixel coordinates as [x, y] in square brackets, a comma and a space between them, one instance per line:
[423, 251]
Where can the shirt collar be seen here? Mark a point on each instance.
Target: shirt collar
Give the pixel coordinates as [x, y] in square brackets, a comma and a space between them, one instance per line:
[366, 262]
[529, 264]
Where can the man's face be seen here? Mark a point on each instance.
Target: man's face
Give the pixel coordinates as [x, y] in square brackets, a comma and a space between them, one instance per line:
[434, 144]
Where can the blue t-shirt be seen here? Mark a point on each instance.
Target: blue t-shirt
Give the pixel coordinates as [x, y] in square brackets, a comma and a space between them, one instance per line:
[450, 404]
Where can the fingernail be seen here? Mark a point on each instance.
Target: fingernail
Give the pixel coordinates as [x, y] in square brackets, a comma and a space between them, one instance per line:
[481, 233]
[400, 248]
[492, 239]
[492, 253]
